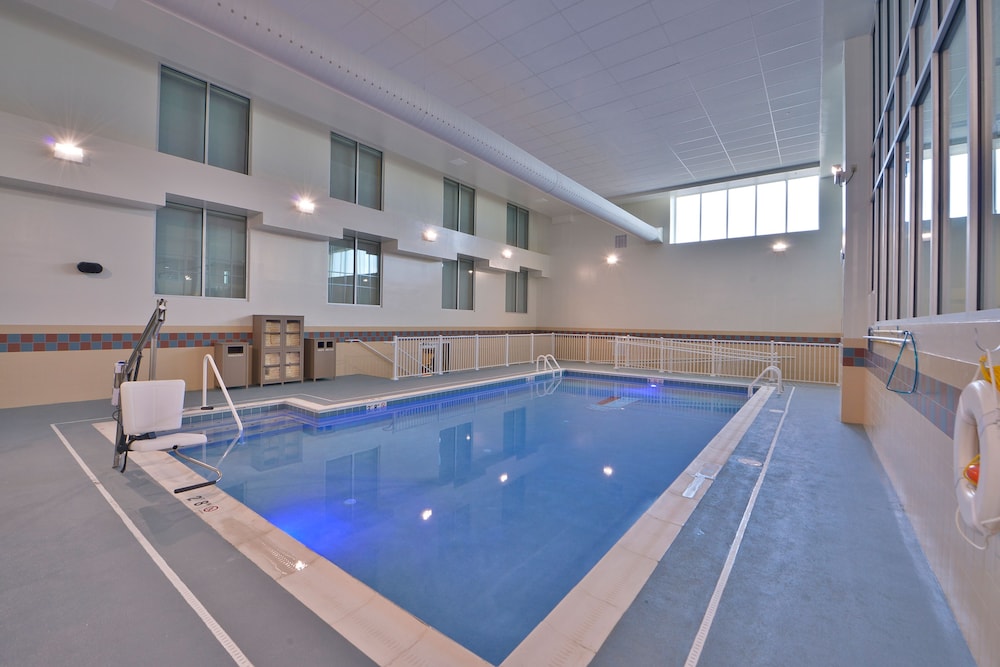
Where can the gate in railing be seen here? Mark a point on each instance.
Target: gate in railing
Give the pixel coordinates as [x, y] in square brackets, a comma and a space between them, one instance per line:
[802, 362]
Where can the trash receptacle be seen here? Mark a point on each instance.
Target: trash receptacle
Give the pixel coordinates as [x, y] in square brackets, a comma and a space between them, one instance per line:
[321, 359]
[233, 360]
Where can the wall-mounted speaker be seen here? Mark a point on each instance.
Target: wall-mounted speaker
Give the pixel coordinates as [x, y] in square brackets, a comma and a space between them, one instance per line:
[89, 267]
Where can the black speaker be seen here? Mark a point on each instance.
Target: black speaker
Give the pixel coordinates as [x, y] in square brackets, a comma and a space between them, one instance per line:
[89, 267]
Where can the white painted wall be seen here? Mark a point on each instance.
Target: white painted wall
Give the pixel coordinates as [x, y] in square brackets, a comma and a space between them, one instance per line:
[55, 214]
[737, 285]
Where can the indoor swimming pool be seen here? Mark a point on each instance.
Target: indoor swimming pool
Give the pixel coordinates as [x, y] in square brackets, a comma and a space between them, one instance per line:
[476, 510]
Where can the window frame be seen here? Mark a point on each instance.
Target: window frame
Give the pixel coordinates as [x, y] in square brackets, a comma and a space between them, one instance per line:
[359, 248]
[209, 220]
[211, 152]
[690, 202]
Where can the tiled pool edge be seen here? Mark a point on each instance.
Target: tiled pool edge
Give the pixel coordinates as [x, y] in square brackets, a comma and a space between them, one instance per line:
[571, 634]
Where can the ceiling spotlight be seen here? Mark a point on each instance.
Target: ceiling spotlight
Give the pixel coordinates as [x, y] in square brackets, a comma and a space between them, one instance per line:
[305, 205]
[68, 152]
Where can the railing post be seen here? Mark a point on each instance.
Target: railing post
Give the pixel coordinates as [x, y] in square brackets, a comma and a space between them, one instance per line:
[663, 347]
[531, 345]
[586, 349]
[713, 360]
[476, 352]
[506, 350]
[437, 356]
[395, 357]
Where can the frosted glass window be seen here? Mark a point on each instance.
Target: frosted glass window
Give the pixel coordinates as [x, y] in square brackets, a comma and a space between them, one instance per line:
[713, 215]
[687, 219]
[770, 208]
[803, 204]
[742, 211]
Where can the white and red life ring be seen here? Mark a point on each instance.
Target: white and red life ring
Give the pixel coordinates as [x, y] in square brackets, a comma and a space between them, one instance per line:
[977, 434]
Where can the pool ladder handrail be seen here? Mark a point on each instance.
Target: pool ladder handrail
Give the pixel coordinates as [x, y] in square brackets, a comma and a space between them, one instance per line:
[207, 361]
[774, 372]
[546, 362]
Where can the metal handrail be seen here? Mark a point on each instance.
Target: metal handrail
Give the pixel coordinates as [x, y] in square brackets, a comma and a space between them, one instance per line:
[548, 361]
[775, 372]
[205, 363]
[370, 348]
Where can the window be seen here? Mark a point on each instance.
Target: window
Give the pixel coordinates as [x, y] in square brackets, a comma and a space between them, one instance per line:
[354, 271]
[759, 209]
[200, 252]
[517, 292]
[355, 172]
[202, 122]
[517, 226]
[955, 128]
[458, 278]
[459, 207]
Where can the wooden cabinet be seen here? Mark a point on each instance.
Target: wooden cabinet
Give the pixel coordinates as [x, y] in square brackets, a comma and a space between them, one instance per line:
[277, 348]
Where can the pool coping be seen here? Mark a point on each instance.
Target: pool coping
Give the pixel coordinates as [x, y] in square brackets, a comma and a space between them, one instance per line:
[570, 634]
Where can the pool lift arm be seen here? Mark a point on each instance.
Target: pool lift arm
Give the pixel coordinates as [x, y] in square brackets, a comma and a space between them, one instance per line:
[128, 371]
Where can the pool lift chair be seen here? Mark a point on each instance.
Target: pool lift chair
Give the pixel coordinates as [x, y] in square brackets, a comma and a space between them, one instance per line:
[149, 412]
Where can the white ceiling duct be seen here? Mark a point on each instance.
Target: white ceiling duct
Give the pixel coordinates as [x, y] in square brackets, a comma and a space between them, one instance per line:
[301, 48]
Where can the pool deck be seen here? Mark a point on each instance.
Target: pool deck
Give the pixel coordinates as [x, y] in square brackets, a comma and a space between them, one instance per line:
[797, 553]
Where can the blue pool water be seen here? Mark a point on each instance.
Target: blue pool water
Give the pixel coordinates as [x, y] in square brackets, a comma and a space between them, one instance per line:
[477, 512]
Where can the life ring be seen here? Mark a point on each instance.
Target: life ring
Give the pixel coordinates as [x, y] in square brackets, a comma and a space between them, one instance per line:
[977, 434]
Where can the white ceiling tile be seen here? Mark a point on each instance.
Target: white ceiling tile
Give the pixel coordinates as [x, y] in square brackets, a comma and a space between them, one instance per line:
[588, 13]
[607, 91]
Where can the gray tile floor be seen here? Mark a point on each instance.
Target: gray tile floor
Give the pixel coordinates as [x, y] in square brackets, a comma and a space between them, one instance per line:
[828, 571]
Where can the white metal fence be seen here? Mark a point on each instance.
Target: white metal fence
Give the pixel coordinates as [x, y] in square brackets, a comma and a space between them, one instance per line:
[802, 362]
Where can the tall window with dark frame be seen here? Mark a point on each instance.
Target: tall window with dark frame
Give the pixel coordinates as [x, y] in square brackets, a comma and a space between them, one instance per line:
[355, 271]
[355, 172]
[517, 226]
[517, 292]
[200, 252]
[202, 122]
[458, 280]
[459, 207]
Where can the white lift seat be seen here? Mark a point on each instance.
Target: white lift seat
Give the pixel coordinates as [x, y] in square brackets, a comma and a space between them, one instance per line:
[151, 406]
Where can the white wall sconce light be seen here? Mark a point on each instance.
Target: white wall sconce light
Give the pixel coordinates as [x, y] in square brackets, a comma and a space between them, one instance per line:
[67, 151]
[843, 176]
[779, 246]
[507, 253]
[430, 235]
[305, 205]
[611, 259]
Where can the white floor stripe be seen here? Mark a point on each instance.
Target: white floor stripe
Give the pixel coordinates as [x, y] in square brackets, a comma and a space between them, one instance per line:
[720, 586]
[220, 635]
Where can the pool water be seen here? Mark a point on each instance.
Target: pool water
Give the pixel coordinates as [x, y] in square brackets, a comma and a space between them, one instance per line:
[476, 512]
